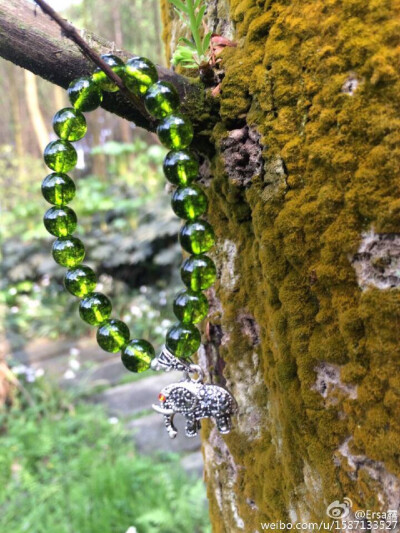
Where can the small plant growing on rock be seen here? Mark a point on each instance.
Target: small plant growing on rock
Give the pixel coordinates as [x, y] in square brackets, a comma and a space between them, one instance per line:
[192, 52]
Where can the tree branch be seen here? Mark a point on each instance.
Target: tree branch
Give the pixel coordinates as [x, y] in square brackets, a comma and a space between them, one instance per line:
[30, 39]
[71, 32]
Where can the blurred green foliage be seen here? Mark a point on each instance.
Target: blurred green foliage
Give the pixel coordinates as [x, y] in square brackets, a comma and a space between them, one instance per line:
[129, 233]
[135, 180]
[133, 24]
[66, 467]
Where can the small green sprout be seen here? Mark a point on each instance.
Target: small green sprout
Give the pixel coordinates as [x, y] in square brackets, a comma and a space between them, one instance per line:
[192, 53]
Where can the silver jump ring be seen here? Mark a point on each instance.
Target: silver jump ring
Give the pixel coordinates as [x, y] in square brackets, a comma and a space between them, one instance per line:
[194, 369]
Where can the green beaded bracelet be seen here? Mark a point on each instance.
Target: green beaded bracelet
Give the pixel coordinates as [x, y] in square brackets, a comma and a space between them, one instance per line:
[189, 202]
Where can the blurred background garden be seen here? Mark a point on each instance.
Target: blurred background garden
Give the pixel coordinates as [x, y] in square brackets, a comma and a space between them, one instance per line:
[80, 450]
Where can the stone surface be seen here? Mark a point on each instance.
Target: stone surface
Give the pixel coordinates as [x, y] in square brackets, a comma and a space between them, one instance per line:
[80, 364]
[67, 362]
[377, 261]
[108, 373]
[193, 463]
[150, 436]
[132, 398]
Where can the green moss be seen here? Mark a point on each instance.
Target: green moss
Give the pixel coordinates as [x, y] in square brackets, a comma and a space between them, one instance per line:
[294, 237]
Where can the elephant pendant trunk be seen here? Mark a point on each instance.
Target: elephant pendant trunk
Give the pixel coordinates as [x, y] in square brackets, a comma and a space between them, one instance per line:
[192, 398]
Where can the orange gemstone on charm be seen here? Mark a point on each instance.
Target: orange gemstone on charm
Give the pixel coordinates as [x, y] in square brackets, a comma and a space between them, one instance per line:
[161, 397]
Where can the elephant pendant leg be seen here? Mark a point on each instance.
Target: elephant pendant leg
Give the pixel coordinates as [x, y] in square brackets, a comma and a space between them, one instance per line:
[224, 423]
[192, 425]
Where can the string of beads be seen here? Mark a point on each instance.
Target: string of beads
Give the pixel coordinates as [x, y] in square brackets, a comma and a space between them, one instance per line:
[189, 202]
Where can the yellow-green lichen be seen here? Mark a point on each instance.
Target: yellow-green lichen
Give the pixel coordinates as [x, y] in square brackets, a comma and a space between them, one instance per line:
[319, 81]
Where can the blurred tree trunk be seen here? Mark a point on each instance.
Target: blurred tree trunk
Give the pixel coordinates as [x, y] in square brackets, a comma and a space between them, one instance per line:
[35, 114]
[16, 116]
[8, 383]
[304, 326]
[60, 97]
[157, 28]
[118, 38]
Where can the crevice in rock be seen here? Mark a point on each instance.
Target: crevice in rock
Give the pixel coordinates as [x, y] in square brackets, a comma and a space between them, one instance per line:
[329, 384]
[377, 262]
[209, 357]
[351, 84]
[249, 327]
[242, 155]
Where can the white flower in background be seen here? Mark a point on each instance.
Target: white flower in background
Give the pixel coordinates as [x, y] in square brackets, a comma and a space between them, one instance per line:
[136, 311]
[143, 289]
[69, 374]
[113, 420]
[19, 369]
[27, 372]
[14, 309]
[74, 352]
[165, 323]
[30, 375]
[131, 530]
[12, 291]
[39, 372]
[74, 364]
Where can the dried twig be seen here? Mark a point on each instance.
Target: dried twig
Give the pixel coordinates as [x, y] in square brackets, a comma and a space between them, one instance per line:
[72, 33]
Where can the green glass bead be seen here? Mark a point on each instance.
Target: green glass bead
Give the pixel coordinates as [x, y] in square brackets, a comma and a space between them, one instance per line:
[84, 94]
[198, 272]
[175, 131]
[139, 74]
[181, 167]
[58, 189]
[101, 78]
[68, 251]
[183, 340]
[197, 237]
[95, 309]
[113, 335]
[189, 202]
[60, 156]
[69, 124]
[137, 355]
[161, 99]
[60, 221]
[190, 307]
[80, 281]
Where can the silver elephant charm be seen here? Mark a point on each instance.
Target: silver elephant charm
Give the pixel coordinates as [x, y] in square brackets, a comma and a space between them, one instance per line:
[194, 400]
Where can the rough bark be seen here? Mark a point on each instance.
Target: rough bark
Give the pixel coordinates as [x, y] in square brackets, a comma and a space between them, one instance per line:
[31, 40]
[304, 328]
